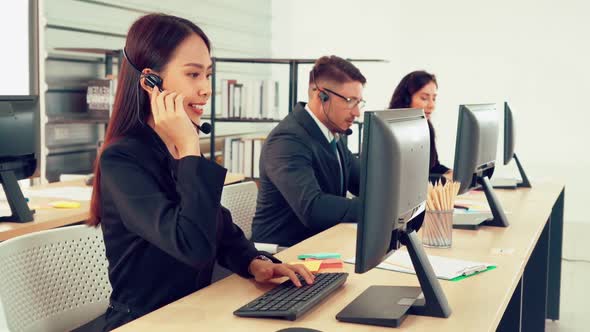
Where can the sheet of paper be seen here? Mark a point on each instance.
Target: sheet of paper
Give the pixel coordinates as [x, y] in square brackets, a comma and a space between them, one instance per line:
[68, 193]
[444, 268]
[4, 208]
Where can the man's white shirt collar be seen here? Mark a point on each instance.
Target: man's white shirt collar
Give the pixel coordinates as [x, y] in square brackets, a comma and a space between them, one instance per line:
[327, 133]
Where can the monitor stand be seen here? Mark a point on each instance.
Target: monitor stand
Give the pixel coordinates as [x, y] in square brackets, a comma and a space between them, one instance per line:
[499, 217]
[389, 305]
[525, 180]
[17, 202]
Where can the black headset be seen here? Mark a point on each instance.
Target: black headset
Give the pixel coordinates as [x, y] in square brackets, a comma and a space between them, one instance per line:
[324, 97]
[153, 81]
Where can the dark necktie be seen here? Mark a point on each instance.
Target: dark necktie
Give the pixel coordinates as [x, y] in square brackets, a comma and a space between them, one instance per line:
[340, 175]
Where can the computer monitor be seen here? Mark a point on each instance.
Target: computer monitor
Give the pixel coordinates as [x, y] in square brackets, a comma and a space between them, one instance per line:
[17, 152]
[19, 103]
[475, 155]
[393, 191]
[509, 154]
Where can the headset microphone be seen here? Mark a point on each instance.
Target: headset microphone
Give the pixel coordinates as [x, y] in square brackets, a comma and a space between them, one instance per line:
[205, 127]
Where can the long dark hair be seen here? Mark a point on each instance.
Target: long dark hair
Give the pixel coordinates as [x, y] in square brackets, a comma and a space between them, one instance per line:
[150, 43]
[402, 98]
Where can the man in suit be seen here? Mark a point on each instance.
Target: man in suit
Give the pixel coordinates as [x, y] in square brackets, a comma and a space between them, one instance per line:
[305, 167]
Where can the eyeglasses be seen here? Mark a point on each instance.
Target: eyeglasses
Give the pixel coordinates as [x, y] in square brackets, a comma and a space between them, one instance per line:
[351, 102]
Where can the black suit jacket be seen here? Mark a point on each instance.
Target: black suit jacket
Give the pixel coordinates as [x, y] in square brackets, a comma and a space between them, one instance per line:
[299, 182]
[163, 225]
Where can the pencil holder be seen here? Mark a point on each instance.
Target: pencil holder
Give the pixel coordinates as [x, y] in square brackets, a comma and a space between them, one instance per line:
[437, 230]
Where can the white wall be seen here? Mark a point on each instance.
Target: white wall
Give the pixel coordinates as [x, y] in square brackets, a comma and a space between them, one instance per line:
[531, 53]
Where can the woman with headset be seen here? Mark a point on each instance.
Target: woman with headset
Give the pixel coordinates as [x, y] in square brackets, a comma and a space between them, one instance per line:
[155, 197]
[418, 89]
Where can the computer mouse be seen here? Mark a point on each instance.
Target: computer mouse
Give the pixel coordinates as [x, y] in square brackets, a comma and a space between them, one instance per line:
[298, 329]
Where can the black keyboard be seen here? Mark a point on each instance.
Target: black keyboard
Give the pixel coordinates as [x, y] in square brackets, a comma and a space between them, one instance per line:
[289, 302]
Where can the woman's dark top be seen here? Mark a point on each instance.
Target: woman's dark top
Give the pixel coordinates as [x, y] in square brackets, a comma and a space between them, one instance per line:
[163, 226]
[436, 168]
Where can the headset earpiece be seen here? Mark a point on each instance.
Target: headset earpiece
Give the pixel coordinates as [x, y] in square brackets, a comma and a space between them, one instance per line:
[153, 80]
[323, 96]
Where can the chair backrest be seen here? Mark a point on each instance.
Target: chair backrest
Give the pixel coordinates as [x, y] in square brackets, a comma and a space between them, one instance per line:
[240, 199]
[54, 280]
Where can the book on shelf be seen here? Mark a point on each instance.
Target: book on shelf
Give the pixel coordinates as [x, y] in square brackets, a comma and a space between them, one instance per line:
[242, 155]
[100, 96]
[256, 151]
[250, 99]
[227, 96]
[235, 156]
[248, 155]
[237, 104]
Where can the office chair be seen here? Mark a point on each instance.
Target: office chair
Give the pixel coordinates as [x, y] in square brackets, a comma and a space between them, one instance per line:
[54, 280]
[240, 200]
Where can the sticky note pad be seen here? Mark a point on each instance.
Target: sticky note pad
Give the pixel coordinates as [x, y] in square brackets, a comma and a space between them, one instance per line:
[65, 204]
[321, 255]
[312, 266]
[330, 263]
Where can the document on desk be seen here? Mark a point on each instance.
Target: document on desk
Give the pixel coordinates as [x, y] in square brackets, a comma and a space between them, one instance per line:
[4, 208]
[69, 193]
[444, 268]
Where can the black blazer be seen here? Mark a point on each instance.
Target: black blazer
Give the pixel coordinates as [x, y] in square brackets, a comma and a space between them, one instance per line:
[436, 168]
[300, 192]
[163, 226]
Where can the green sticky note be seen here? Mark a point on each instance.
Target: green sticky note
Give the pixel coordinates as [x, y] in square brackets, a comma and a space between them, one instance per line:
[321, 255]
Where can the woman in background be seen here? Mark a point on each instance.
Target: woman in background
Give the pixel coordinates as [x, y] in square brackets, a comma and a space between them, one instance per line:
[418, 89]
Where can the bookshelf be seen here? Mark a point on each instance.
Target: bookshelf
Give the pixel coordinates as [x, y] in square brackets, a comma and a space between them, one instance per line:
[69, 130]
[111, 58]
[293, 65]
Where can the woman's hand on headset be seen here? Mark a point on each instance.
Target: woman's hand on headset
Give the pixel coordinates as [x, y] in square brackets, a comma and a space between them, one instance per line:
[172, 122]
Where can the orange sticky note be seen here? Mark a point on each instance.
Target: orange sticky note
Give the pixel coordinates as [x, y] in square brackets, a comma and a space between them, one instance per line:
[331, 263]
